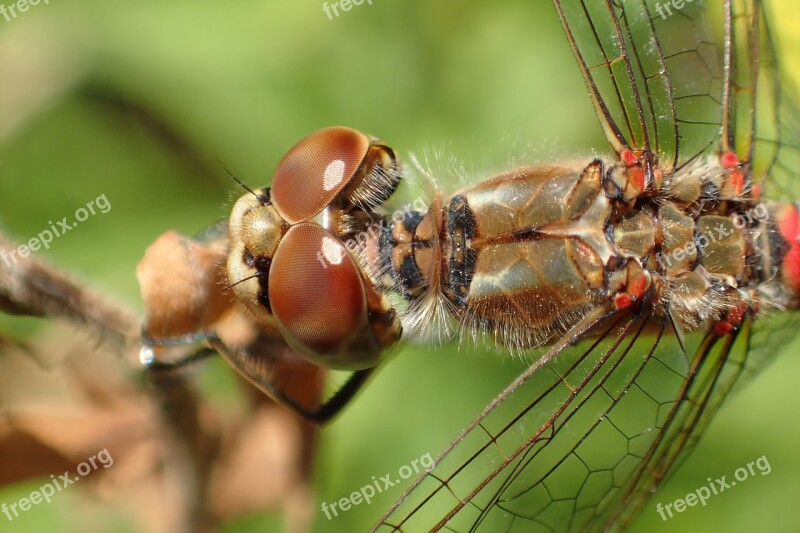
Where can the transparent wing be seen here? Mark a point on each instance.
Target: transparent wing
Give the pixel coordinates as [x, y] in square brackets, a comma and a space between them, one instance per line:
[772, 333]
[715, 368]
[760, 113]
[761, 123]
[652, 71]
[462, 490]
[583, 442]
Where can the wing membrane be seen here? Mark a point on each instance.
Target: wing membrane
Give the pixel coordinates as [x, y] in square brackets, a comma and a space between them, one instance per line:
[463, 489]
[772, 333]
[715, 368]
[760, 110]
[581, 445]
[655, 80]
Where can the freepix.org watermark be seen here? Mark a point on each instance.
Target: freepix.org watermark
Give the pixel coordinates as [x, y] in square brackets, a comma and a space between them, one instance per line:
[332, 9]
[378, 485]
[331, 253]
[12, 11]
[714, 487]
[665, 9]
[48, 490]
[46, 237]
[758, 213]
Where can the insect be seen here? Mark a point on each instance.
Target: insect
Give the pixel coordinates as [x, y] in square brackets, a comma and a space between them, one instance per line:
[645, 282]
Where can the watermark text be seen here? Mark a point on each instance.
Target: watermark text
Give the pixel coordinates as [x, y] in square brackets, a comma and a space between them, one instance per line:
[57, 229]
[331, 252]
[719, 232]
[48, 490]
[12, 11]
[378, 485]
[665, 10]
[332, 9]
[714, 488]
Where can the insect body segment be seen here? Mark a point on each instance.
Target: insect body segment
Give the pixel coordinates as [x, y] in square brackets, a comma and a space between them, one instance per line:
[788, 223]
[526, 253]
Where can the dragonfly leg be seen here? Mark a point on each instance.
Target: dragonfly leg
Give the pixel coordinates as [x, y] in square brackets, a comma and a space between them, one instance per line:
[258, 370]
[150, 361]
[165, 366]
[629, 283]
[732, 318]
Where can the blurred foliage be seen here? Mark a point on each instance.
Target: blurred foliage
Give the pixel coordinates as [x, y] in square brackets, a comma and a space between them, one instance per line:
[137, 100]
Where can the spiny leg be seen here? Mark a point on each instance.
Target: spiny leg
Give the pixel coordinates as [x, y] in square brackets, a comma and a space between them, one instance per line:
[253, 368]
[256, 369]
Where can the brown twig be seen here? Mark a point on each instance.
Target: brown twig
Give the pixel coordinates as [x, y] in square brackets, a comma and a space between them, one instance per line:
[30, 287]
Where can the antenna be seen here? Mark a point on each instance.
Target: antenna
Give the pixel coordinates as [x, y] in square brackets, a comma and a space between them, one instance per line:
[229, 173]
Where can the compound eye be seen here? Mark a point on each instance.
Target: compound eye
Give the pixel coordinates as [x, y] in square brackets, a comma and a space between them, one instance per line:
[316, 292]
[316, 170]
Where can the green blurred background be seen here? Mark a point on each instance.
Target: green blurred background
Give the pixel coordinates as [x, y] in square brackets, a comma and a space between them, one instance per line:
[138, 100]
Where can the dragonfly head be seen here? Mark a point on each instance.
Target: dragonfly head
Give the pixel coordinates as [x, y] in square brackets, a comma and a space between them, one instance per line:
[288, 263]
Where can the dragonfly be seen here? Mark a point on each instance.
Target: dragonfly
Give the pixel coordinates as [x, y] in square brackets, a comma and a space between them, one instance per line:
[642, 284]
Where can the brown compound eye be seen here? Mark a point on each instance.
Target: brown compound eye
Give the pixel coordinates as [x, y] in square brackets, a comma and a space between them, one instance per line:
[318, 297]
[316, 170]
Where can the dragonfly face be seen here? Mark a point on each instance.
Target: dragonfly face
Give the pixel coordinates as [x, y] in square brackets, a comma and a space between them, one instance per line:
[287, 263]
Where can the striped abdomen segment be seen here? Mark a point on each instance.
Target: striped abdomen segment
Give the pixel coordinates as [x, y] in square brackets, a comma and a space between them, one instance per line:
[524, 252]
